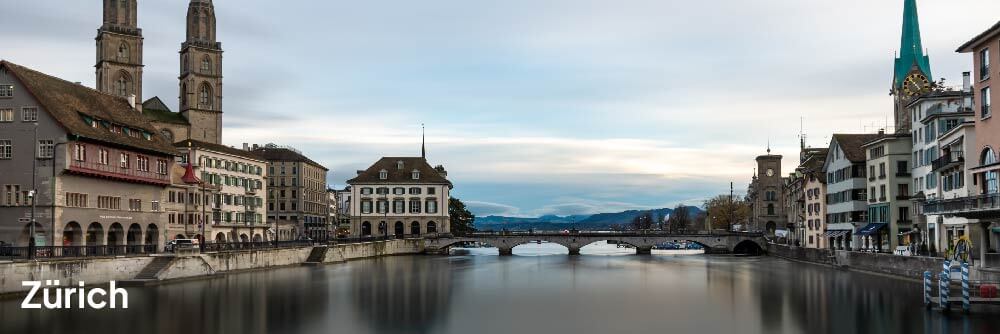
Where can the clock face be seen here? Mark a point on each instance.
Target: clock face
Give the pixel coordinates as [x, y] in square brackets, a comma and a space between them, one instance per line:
[915, 84]
[770, 172]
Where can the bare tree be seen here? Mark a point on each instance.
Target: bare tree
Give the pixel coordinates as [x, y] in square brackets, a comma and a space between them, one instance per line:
[680, 219]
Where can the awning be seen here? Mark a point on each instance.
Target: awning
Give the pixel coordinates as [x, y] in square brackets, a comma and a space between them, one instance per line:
[840, 226]
[871, 228]
[834, 234]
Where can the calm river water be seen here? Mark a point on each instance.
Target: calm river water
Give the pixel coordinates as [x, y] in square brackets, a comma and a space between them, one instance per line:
[603, 292]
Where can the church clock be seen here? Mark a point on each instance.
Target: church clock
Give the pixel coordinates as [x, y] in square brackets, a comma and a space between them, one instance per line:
[915, 84]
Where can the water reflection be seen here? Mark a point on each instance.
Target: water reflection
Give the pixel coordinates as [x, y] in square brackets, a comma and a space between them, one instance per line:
[403, 294]
[540, 294]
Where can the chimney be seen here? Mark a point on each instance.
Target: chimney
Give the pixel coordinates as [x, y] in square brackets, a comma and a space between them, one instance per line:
[881, 132]
[131, 100]
[966, 81]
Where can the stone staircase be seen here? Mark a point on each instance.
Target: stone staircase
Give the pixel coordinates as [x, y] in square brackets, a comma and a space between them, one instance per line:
[317, 256]
[153, 268]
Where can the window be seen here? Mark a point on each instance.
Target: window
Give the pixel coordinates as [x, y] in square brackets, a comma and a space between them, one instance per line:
[206, 65]
[416, 174]
[124, 160]
[102, 156]
[432, 206]
[6, 148]
[6, 115]
[205, 96]
[12, 195]
[142, 163]
[109, 203]
[984, 64]
[366, 191]
[6, 90]
[414, 206]
[161, 167]
[990, 178]
[415, 191]
[134, 205]
[123, 53]
[984, 96]
[120, 86]
[29, 114]
[399, 206]
[431, 190]
[399, 191]
[76, 200]
[382, 207]
[382, 191]
[383, 174]
[46, 148]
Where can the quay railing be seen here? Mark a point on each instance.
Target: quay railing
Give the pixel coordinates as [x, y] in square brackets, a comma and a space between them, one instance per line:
[990, 202]
[60, 252]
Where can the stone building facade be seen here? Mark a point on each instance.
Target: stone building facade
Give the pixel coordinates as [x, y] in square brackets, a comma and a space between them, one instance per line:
[846, 188]
[765, 195]
[296, 197]
[119, 51]
[400, 197]
[99, 167]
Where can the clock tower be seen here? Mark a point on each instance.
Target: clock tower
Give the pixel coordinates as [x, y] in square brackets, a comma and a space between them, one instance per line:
[912, 69]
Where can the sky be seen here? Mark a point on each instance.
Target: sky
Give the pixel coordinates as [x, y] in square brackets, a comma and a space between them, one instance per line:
[533, 106]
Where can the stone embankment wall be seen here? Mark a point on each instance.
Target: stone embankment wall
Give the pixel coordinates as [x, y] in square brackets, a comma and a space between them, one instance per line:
[69, 272]
[911, 267]
[95, 271]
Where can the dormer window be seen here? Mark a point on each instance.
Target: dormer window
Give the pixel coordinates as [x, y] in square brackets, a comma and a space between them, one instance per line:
[416, 174]
[383, 174]
[399, 164]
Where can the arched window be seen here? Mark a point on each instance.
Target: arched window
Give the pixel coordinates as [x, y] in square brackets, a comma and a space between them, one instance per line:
[206, 65]
[205, 96]
[991, 179]
[123, 53]
[121, 86]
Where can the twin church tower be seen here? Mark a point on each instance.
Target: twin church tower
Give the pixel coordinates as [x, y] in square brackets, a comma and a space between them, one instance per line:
[119, 71]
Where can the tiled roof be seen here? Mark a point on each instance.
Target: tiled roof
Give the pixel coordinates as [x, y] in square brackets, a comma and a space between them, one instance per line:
[400, 175]
[157, 111]
[284, 154]
[851, 145]
[219, 148]
[69, 102]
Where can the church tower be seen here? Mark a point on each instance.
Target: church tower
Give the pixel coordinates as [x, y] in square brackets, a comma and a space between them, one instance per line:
[912, 70]
[201, 74]
[119, 51]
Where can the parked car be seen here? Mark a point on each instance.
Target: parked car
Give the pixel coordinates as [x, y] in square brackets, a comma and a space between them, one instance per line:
[175, 244]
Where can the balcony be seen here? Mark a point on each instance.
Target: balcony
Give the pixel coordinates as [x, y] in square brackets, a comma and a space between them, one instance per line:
[951, 159]
[973, 207]
[903, 197]
[881, 177]
[113, 171]
[903, 174]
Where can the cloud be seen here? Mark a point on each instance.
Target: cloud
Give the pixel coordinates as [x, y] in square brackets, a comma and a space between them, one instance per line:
[480, 208]
[556, 106]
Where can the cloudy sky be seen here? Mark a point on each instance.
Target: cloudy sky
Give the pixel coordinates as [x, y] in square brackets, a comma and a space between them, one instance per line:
[534, 107]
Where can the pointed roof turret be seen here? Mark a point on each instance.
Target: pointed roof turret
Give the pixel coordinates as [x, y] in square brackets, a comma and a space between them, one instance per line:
[911, 49]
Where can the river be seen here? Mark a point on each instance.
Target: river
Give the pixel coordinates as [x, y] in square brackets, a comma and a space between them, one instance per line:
[539, 290]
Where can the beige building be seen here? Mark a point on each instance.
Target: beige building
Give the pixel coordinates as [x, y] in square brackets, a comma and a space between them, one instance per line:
[889, 216]
[236, 212]
[296, 197]
[814, 197]
[765, 196]
[400, 197]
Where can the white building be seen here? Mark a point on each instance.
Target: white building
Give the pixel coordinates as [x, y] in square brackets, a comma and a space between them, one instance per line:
[400, 196]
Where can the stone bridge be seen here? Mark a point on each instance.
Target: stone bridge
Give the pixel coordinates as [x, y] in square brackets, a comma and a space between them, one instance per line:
[739, 243]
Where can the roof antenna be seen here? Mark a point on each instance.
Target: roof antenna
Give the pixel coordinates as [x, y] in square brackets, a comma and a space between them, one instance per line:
[423, 142]
[768, 145]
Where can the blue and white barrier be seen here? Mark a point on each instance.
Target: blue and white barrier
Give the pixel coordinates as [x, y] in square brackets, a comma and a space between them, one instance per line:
[927, 289]
[966, 302]
[944, 282]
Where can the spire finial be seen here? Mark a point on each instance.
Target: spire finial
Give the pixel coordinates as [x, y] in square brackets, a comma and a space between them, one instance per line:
[768, 146]
[423, 141]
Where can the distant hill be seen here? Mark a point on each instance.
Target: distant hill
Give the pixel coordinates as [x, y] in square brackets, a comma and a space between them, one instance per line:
[582, 222]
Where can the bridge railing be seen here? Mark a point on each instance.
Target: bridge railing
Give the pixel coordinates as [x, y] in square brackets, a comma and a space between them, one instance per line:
[650, 233]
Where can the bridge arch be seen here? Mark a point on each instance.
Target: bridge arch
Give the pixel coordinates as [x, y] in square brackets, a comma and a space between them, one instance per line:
[748, 247]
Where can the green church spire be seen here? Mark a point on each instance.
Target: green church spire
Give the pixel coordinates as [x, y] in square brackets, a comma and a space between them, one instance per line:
[911, 50]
